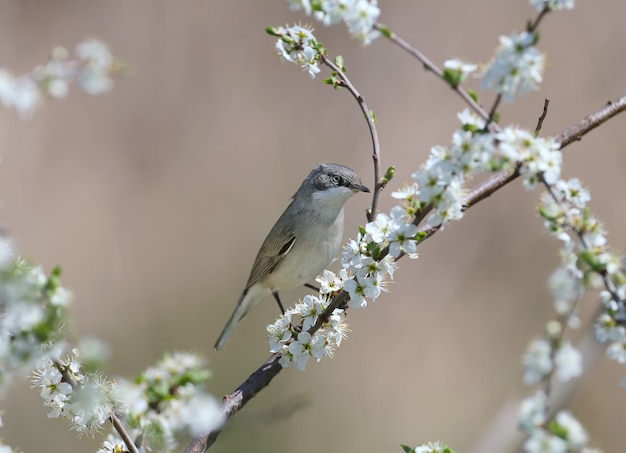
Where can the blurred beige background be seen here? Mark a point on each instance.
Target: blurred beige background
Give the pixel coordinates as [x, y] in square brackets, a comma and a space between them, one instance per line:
[155, 198]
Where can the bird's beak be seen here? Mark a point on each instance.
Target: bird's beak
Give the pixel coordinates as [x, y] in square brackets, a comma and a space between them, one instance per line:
[360, 188]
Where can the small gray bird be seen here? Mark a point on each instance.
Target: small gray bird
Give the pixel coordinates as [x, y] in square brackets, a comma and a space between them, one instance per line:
[302, 242]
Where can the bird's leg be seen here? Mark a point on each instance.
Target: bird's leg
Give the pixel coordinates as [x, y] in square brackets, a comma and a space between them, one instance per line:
[280, 305]
[313, 287]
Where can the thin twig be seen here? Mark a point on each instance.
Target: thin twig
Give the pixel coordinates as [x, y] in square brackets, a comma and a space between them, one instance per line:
[345, 82]
[572, 133]
[546, 102]
[576, 131]
[121, 430]
[532, 27]
[270, 369]
[117, 424]
[432, 67]
[493, 112]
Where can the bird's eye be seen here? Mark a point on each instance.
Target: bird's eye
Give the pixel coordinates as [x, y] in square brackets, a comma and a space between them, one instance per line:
[337, 180]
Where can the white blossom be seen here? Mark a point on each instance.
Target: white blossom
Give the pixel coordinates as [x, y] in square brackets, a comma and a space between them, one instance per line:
[575, 433]
[537, 361]
[540, 5]
[296, 44]
[516, 67]
[568, 361]
[533, 411]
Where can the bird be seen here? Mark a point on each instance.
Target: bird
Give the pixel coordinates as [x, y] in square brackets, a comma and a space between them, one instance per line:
[302, 242]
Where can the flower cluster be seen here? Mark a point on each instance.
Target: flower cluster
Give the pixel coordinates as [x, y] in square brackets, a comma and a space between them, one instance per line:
[430, 447]
[369, 261]
[368, 264]
[85, 400]
[543, 358]
[553, 4]
[92, 68]
[516, 67]
[360, 16]
[563, 433]
[166, 401]
[442, 177]
[538, 157]
[33, 309]
[456, 71]
[296, 44]
[585, 253]
[296, 345]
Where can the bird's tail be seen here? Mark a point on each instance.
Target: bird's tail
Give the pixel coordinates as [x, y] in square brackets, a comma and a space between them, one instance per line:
[248, 299]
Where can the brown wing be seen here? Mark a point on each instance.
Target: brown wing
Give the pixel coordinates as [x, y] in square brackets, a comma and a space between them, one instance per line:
[276, 245]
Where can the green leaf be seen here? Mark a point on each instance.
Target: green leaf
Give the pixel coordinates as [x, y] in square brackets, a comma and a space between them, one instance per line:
[407, 449]
[421, 235]
[54, 280]
[454, 78]
[271, 31]
[157, 392]
[195, 376]
[316, 5]
[339, 62]
[385, 30]
[374, 250]
[557, 429]
[536, 39]
[591, 259]
[473, 95]
[391, 171]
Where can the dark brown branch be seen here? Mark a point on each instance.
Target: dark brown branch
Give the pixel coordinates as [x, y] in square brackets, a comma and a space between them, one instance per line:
[236, 400]
[270, 369]
[493, 112]
[573, 133]
[576, 131]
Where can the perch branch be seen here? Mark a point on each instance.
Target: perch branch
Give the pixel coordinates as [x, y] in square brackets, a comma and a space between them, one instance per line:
[269, 370]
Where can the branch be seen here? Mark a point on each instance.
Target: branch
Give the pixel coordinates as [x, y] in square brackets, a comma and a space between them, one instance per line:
[345, 82]
[270, 369]
[117, 424]
[490, 116]
[430, 66]
[236, 400]
[546, 103]
[576, 131]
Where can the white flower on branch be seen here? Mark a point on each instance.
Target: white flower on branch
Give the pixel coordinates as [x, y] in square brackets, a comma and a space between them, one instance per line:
[541, 441]
[358, 15]
[540, 5]
[574, 432]
[93, 70]
[296, 44]
[537, 361]
[298, 346]
[516, 67]
[568, 361]
[533, 412]
[331, 282]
